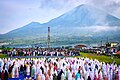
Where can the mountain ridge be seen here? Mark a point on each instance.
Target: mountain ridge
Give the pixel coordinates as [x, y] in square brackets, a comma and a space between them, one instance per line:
[76, 8]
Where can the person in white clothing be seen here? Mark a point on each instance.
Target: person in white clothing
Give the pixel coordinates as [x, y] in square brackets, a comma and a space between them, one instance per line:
[70, 74]
[28, 69]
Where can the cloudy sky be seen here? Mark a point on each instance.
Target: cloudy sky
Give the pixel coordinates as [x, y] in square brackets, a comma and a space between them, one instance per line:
[17, 13]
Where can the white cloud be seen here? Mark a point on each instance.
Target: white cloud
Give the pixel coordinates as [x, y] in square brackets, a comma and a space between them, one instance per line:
[110, 6]
[105, 28]
[98, 28]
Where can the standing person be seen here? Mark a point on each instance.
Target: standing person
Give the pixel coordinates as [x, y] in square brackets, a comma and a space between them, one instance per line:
[96, 74]
[46, 76]
[51, 71]
[43, 76]
[91, 73]
[38, 77]
[63, 76]
[10, 71]
[73, 76]
[70, 74]
[32, 70]
[24, 52]
[33, 53]
[54, 76]
[13, 70]
[57, 53]
[21, 69]
[0, 72]
[59, 75]
[100, 77]
[119, 72]
[28, 69]
[110, 73]
[16, 71]
[78, 76]
[4, 75]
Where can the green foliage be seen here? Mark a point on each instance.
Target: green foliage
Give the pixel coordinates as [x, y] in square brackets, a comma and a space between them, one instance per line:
[108, 44]
[117, 55]
[6, 48]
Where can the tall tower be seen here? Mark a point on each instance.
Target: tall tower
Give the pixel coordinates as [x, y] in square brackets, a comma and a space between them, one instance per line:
[48, 37]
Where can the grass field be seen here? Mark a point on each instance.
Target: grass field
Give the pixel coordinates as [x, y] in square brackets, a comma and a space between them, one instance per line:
[3, 56]
[101, 58]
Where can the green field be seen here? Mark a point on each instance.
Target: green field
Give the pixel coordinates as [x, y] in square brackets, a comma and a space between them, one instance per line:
[3, 56]
[101, 58]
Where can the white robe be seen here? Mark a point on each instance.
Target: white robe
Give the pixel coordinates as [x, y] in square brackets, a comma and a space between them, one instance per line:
[15, 73]
[28, 70]
[43, 77]
[63, 77]
[96, 73]
[70, 76]
[51, 71]
[91, 75]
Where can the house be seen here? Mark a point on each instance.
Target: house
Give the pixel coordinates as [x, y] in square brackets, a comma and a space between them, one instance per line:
[81, 46]
[114, 44]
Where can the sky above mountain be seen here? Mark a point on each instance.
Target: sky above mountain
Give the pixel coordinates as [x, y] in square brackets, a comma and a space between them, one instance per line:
[17, 13]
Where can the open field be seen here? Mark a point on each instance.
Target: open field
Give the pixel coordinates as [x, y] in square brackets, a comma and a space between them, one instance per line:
[101, 58]
[3, 56]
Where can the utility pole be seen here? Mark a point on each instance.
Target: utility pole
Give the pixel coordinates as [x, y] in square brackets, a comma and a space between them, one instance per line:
[48, 37]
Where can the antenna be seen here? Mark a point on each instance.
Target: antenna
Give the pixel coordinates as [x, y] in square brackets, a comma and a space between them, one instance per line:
[48, 37]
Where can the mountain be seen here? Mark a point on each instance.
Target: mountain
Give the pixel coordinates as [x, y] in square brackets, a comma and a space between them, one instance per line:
[85, 15]
[79, 25]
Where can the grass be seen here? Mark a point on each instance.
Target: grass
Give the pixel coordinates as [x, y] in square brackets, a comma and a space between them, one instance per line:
[101, 58]
[3, 56]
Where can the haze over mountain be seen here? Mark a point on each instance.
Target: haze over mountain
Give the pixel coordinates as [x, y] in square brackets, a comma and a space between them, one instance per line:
[82, 24]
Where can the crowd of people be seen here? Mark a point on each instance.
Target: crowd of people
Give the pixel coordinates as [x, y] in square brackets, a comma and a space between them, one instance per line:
[58, 69]
[41, 52]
